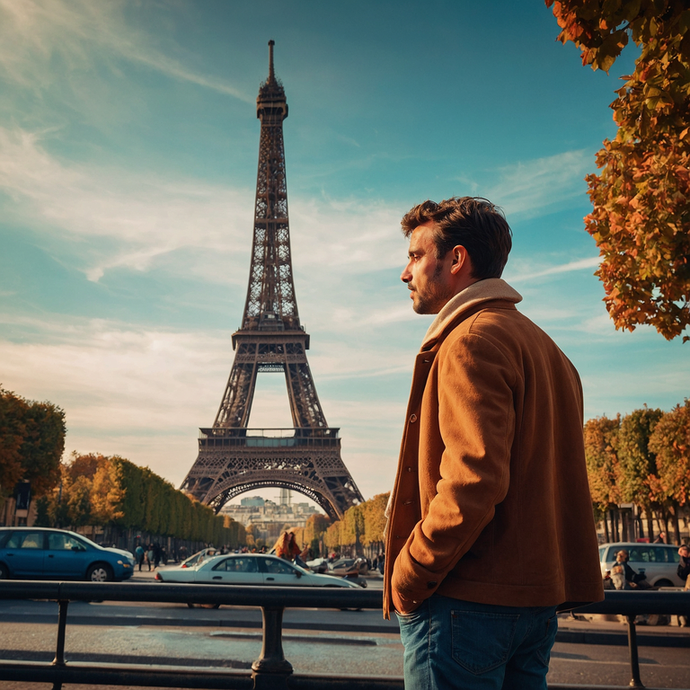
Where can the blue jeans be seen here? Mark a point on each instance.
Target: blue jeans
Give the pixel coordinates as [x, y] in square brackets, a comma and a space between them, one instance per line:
[451, 643]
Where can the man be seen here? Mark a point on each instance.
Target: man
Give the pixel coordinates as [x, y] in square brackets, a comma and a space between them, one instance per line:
[684, 565]
[490, 519]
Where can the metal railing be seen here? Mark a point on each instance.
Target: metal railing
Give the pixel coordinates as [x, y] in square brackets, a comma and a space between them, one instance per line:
[271, 671]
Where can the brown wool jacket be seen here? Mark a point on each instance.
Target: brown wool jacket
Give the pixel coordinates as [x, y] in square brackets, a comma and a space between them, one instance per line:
[491, 502]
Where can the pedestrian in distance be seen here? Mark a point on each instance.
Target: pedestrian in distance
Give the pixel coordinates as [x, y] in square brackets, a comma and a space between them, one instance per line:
[633, 579]
[490, 528]
[139, 553]
[684, 565]
[150, 556]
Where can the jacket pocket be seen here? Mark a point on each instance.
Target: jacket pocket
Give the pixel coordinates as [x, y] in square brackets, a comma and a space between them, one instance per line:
[482, 641]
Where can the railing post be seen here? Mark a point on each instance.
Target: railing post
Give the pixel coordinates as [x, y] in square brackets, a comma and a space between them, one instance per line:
[636, 681]
[271, 670]
[59, 659]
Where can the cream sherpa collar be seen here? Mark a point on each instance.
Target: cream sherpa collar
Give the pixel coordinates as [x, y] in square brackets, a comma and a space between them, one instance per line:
[481, 291]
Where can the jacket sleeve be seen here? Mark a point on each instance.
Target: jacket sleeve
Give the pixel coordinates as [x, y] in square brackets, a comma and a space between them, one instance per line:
[476, 418]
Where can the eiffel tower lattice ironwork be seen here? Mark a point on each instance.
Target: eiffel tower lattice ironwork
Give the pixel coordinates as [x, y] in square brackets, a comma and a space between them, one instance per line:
[232, 458]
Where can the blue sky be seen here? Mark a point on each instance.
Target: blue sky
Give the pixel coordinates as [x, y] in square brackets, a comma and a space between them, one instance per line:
[128, 154]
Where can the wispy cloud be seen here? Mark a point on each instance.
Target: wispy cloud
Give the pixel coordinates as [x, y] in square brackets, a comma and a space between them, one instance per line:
[569, 267]
[133, 218]
[82, 34]
[530, 188]
[142, 392]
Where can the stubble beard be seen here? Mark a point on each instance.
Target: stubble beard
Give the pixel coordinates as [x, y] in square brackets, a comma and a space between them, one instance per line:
[435, 297]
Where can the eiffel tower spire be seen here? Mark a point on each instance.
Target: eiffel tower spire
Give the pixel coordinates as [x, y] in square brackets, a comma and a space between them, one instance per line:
[232, 458]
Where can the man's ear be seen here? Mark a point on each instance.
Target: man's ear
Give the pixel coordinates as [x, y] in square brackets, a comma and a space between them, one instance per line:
[460, 258]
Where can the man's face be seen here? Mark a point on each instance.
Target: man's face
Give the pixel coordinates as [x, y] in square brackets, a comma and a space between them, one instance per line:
[427, 277]
[683, 551]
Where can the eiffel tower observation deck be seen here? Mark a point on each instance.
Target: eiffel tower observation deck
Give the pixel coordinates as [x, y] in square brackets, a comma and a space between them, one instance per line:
[233, 458]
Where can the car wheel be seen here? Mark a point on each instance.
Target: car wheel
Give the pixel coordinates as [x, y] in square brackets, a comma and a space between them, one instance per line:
[4, 573]
[203, 606]
[99, 572]
[664, 583]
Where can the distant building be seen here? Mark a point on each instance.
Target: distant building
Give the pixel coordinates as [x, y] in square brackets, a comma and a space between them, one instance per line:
[253, 501]
[269, 517]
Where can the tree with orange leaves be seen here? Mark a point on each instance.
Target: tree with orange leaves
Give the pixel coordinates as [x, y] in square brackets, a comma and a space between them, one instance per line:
[603, 468]
[641, 198]
[670, 440]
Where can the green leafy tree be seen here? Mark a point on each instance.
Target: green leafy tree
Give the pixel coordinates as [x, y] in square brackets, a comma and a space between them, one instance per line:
[641, 198]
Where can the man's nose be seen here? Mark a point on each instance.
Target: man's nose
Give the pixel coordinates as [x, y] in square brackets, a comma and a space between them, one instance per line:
[406, 276]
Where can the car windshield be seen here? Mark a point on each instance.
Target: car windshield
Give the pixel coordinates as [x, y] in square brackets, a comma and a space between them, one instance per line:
[85, 540]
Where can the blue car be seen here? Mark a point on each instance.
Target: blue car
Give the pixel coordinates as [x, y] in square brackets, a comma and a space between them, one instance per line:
[57, 554]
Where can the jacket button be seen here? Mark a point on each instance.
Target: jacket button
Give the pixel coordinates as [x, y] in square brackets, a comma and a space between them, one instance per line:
[409, 469]
[413, 417]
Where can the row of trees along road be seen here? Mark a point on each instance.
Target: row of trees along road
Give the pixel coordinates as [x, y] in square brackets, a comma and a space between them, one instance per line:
[360, 530]
[116, 494]
[643, 459]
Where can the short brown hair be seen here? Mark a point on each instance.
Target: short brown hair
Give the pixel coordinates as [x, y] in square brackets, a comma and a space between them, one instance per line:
[473, 222]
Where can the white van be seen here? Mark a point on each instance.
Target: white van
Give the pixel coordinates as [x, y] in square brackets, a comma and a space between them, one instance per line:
[658, 561]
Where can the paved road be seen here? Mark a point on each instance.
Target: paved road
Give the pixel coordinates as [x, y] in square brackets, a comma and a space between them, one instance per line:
[315, 640]
[313, 651]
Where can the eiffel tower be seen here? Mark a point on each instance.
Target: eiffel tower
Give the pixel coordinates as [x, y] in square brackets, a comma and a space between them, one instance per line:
[232, 458]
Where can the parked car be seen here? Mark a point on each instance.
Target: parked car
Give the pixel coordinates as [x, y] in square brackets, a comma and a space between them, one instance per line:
[658, 561]
[58, 554]
[349, 567]
[249, 569]
[318, 565]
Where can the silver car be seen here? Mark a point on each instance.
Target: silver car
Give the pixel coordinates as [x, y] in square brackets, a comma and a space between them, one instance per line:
[659, 562]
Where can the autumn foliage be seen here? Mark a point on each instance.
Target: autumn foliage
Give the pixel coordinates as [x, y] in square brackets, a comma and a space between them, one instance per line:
[641, 198]
[361, 526]
[32, 439]
[643, 459]
[110, 491]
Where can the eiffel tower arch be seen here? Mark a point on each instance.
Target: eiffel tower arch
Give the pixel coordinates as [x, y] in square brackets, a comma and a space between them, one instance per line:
[233, 458]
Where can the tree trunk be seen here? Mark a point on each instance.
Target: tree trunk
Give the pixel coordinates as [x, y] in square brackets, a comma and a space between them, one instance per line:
[624, 525]
[606, 529]
[640, 524]
[676, 523]
[617, 528]
[650, 523]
